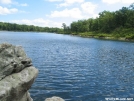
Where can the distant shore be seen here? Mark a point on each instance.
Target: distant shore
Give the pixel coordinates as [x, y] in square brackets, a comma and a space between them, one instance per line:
[118, 39]
[104, 37]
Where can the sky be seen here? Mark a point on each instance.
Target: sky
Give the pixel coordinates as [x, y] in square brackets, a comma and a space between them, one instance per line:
[52, 13]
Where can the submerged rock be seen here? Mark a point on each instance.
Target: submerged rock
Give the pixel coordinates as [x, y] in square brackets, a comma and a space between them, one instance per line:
[16, 74]
[54, 99]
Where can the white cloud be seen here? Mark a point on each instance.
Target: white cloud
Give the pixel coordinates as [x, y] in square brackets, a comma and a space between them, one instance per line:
[127, 1]
[74, 1]
[24, 4]
[55, 0]
[117, 1]
[5, 1]
[83, 10]
[63, 5]
[69, 2]
[12, 2]
[71, 13]
[5, 11]
[95, 15]
[111, 1]
[88, 7]
[38, 22]
[18, 4]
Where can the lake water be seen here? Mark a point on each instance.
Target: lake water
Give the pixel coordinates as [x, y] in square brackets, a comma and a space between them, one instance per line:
[75, 68]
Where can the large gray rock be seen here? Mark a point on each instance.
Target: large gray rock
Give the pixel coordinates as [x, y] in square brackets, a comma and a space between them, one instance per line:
[12, 59]
[16, 74]
[15, 86]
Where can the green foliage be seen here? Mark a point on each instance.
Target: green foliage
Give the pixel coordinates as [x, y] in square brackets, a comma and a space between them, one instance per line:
[17, 27]
[130, 36]
[66, 29]
[116, 24]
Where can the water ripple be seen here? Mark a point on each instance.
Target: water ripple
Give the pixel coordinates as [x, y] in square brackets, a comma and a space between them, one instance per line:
[77, 69]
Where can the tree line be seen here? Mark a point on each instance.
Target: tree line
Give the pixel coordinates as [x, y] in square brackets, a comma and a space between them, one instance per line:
[18, 27]
[107, 22]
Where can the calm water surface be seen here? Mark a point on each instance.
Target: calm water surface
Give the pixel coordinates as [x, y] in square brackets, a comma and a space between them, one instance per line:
[75, 68]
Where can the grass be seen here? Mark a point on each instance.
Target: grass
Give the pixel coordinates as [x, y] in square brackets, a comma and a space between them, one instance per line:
[117, 34]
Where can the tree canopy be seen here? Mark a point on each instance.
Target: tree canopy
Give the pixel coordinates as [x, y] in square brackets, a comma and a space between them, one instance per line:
[106, 22]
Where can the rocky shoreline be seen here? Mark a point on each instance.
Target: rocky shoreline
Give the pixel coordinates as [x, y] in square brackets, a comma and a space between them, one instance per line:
[108, 38]
[117, 39]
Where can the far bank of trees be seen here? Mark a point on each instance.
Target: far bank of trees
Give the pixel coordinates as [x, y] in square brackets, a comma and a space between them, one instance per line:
[17, 27]
[107, 22]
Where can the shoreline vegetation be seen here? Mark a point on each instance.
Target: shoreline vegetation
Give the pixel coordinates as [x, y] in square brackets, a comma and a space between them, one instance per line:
[123, 35]
[117, 25]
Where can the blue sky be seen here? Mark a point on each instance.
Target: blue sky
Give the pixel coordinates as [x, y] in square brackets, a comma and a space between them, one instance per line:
[53, 13]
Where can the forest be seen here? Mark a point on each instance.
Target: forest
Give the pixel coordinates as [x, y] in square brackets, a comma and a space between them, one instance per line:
[17, 27]
[117, 24]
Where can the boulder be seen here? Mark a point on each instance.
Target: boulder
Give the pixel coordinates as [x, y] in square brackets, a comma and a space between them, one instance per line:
[54, 98]
[16, 74]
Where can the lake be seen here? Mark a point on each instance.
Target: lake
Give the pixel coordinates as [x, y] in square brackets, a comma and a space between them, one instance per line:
[75, 68]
